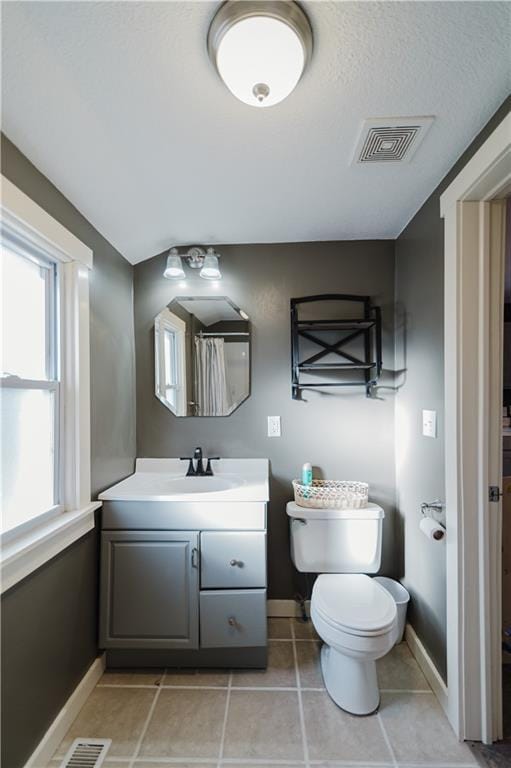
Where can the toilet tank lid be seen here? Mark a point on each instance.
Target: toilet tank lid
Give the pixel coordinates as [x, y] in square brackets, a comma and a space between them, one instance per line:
[371, 512]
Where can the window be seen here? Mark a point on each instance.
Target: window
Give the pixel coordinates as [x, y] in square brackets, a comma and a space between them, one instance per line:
[170, 340]
[170, 362]
[30, 392]
[44, 387]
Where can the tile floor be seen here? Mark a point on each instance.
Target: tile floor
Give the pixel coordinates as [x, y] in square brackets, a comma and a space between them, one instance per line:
[281, 716]
[499, 755]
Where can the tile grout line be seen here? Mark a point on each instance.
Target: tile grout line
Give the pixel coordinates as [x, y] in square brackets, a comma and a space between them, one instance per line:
[418, 691]
[386, 738]
[411, 691]
[224, 724]
[258, 762]
[305, 746]
[167, 687]
[234, 688]
[148, 720]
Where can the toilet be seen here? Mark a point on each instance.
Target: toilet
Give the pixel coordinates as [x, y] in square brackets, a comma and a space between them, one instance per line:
[354, 615]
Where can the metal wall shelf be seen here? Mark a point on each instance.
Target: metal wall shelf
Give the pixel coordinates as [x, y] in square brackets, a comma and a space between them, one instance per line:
[367, 329]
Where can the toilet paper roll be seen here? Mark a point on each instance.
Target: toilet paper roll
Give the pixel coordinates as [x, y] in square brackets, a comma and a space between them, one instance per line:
[432, 529]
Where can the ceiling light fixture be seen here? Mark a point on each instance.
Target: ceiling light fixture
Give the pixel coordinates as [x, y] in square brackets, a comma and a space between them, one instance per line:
[260, 49]
[196, 258]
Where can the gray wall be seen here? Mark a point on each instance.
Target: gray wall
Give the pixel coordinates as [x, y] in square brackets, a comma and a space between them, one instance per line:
[49, 619]
[345, 434]
[49, 639]
[419, 349]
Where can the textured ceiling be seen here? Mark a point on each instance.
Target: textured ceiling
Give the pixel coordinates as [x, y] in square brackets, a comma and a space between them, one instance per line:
[118, 104]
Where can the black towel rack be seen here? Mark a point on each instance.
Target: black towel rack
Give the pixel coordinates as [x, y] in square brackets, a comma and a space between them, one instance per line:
[366, 328]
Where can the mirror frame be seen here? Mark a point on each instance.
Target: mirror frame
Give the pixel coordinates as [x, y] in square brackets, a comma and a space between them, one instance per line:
[176, 324]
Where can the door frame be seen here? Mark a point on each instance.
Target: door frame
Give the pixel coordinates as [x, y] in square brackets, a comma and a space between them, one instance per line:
[473, 359]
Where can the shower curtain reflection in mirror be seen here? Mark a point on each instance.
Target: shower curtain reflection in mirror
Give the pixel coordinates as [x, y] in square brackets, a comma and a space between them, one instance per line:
[211, 396]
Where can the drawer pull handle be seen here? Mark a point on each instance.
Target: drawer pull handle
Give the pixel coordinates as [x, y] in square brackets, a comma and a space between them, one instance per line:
[232, 621]
[236, 562]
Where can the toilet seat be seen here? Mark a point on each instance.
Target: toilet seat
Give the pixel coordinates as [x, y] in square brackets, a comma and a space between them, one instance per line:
[354, 604]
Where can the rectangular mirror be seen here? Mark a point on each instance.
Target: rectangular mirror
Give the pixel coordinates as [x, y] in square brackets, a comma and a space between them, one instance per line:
[202, 356]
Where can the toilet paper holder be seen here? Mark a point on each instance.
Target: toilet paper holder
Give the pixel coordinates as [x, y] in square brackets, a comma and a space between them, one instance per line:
[437, 506]
[435, 510]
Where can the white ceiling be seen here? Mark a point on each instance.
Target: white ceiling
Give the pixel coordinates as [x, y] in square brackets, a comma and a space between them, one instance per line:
[119, 106]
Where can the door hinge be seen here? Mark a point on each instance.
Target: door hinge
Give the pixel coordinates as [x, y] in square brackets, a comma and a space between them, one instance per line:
[494, 493]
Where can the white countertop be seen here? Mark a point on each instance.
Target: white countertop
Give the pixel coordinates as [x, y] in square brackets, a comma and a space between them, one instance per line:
[153, 479]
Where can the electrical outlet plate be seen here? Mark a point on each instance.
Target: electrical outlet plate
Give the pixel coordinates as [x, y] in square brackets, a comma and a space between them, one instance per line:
[429, 423]
[273, 426]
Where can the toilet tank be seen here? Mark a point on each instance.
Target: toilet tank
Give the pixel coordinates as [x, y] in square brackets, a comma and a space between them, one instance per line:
[336, 540]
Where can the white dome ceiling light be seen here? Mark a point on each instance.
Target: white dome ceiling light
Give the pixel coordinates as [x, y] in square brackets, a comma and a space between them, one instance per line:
[260, 49]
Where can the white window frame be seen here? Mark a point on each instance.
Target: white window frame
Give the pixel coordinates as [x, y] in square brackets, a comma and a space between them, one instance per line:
[52, 382]
[34, 542]
[168, 321]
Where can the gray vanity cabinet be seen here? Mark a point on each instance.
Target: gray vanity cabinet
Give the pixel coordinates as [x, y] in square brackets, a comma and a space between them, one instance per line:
[183, 584]
[150, 589]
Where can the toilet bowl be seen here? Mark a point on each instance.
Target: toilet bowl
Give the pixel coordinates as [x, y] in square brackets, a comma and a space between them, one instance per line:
[357, 619]
[354, 615]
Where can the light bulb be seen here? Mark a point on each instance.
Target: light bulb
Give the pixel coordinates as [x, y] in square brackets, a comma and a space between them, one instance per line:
[210, 269]
[174, 269]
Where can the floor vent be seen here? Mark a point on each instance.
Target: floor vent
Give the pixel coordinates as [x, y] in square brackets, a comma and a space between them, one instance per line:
[86, 753]
[390, 139]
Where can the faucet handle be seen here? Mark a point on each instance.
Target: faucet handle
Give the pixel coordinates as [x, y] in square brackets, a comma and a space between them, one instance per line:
[190, 471]
[209, 468]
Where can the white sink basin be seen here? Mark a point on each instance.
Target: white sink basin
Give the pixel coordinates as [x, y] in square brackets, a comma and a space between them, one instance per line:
[201, 484]
[165, 480]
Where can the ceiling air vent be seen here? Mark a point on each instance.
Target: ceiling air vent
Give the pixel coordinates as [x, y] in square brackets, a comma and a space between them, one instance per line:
[390, 139]
[86, 753]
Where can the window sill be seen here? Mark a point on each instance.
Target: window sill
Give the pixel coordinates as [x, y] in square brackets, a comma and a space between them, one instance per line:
[30, 550]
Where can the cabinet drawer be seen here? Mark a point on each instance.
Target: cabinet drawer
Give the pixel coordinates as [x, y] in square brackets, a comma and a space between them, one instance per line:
[233, 559]
[233, 618]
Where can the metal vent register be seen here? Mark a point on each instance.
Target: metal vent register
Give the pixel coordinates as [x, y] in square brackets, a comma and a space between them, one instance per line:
[86, 753]
[390, 140]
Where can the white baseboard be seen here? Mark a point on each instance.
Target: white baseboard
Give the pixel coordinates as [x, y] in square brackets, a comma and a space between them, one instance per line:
[60, 726]
[427, 666]
[286, 608]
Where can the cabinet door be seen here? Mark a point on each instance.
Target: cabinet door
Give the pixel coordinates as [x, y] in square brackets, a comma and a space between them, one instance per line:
[149, 589]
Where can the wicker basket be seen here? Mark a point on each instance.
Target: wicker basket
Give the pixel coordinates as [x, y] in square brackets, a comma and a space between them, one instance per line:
[331, 494]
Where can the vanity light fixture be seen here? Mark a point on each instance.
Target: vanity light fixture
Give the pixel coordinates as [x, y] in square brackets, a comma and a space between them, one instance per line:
[210, 269]
[196, 258]
[174, 269]
[260, 48]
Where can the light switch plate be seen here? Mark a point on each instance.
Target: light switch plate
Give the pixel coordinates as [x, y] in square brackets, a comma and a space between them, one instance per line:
[429, 423]
[273, 426]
